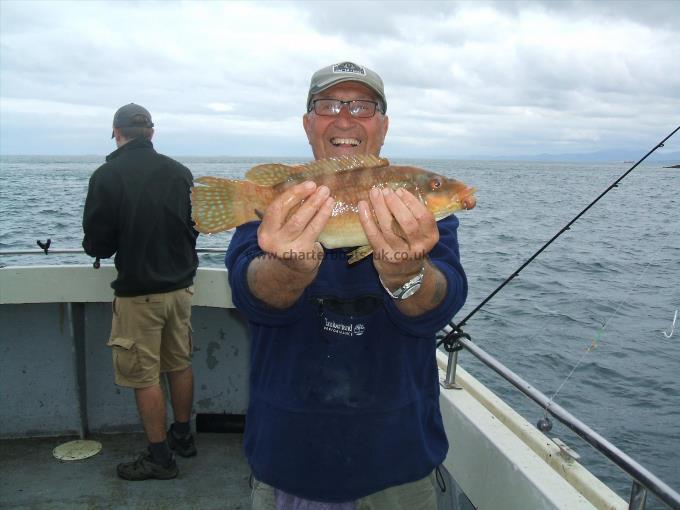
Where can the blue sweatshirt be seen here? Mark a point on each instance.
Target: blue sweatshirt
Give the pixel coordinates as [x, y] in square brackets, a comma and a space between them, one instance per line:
[344, 390]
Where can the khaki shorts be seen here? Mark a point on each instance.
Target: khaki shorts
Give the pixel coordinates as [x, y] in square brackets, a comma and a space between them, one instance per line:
[149, 335]
[418, 495]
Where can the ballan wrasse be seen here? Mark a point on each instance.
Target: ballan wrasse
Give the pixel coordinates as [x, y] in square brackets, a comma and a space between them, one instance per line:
[222, 204]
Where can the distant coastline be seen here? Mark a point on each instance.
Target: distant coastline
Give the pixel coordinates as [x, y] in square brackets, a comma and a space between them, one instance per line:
[661, 159]
[608, 157]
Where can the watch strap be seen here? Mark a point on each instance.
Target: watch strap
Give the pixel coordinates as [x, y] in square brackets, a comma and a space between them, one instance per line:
[408, 288]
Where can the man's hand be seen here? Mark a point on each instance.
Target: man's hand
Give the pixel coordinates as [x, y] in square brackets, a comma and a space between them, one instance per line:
[293, 240]
[290, 242]
[405, 232]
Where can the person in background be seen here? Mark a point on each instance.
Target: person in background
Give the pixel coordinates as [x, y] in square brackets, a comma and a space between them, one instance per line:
[344, 391]
[138, 207]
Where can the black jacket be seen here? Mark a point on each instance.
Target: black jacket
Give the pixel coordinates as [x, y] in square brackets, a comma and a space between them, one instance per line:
[138, 206]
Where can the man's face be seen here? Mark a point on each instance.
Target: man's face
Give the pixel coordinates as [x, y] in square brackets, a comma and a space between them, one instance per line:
[343, 134]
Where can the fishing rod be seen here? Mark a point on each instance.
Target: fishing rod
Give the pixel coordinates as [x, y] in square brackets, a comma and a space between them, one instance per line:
[450, 339]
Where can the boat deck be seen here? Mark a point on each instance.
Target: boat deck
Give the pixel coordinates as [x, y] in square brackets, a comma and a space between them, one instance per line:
[31, 478]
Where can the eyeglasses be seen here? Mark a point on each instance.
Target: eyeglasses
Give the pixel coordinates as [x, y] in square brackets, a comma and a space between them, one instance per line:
[361, 108]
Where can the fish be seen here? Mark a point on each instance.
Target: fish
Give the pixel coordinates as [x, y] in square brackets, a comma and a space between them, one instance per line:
[220, 204]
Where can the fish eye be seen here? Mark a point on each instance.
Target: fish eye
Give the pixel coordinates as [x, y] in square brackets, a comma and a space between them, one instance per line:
[435, 183]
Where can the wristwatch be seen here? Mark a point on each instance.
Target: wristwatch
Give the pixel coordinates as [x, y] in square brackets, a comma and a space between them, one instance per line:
[407, 289]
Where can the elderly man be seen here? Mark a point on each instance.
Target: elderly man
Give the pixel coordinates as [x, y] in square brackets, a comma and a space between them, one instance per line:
[344, 394]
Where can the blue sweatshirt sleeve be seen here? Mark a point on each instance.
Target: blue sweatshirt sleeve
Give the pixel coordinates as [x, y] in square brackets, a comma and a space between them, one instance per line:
[243, 248]
[446, 257]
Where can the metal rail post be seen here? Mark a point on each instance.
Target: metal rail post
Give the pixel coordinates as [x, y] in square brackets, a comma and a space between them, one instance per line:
[638, 497]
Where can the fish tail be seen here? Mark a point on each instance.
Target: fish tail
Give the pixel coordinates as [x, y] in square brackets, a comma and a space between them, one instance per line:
[222, 204]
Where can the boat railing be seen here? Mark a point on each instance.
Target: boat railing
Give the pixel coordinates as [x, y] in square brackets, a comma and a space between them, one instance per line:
[77, 251]
[643, 479]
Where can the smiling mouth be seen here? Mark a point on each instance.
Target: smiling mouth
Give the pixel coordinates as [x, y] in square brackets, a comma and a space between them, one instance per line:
[345, 141]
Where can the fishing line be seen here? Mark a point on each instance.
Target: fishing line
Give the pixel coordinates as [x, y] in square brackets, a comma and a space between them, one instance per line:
[595, 342]
[456, 329]
[598, 336]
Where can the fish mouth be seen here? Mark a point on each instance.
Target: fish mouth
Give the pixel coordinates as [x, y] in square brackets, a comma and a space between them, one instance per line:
[444, 207]
[338, 142]
[468, 200]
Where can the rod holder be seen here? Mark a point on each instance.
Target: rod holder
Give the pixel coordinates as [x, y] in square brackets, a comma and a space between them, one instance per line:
[450, 382]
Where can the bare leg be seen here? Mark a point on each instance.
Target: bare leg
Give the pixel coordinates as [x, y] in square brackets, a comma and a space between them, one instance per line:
[151, 406]
[182, 393]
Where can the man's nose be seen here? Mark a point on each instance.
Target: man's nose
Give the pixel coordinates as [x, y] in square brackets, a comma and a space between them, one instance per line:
[344, 117]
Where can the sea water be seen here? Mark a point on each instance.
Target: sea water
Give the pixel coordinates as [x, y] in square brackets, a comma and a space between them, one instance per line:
[595, 304]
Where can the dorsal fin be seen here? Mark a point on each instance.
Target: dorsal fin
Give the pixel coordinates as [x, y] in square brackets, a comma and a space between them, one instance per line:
[341, 164]
[271, 174]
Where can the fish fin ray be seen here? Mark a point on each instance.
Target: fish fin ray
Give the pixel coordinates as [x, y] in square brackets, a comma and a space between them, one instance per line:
[341, 164]
[271, 174]
[359, 253]
[220, 204]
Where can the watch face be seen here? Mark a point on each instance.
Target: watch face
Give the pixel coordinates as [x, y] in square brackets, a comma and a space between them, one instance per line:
[410, 291]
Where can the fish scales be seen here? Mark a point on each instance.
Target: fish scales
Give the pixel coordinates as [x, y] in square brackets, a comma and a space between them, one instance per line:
[348, 189]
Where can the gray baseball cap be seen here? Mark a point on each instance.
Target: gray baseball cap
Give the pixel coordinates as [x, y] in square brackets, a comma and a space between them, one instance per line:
[132, 115]
[345, 71]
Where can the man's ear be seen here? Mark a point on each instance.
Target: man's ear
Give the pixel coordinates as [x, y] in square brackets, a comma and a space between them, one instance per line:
[386, 125]
[305, 125]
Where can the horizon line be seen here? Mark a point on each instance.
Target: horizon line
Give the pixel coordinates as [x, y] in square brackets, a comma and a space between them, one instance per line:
[524, 157]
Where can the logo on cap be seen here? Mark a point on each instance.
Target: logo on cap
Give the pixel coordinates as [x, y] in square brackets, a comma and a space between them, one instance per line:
[349, 67]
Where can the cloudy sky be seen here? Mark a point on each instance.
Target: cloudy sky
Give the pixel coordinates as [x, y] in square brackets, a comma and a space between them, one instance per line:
[231, 78]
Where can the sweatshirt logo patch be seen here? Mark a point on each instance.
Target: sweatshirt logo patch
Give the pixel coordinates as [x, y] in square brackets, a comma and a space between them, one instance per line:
[343, 328]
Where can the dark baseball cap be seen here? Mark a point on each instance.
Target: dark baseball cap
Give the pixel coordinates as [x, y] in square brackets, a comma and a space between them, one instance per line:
[132, 115]
[346, 71]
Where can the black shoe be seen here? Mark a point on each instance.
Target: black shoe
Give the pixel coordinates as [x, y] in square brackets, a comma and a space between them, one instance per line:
[183, 446]
[144, 468]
